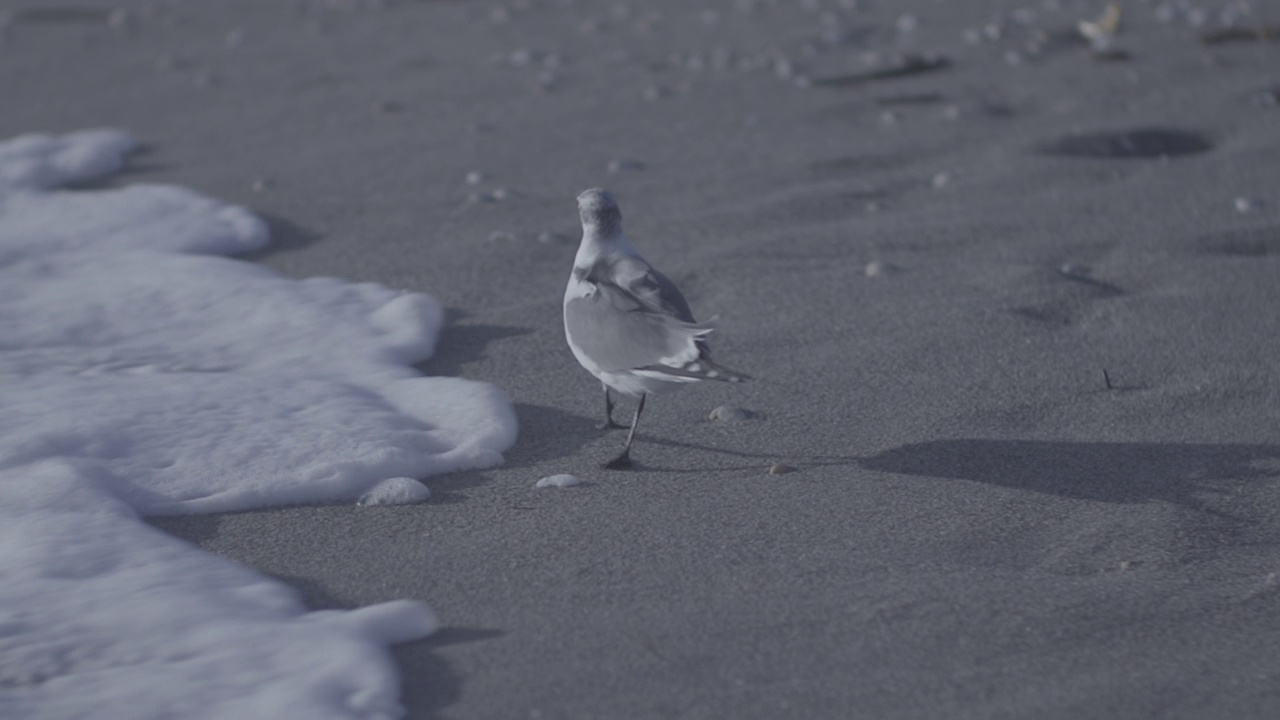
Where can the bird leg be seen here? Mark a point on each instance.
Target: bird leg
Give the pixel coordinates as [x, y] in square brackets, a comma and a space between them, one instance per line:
[624, 459]
[609, 424]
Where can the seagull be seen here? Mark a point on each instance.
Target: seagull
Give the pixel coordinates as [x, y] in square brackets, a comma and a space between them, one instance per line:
[626, 323]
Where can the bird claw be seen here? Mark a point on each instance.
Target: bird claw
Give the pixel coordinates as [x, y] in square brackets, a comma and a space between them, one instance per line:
[610, 425]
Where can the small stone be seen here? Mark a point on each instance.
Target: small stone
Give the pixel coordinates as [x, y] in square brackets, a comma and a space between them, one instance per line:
[879, 268]
[726, 413]
[396, 491]
[1024, 16]
[119, 19]
[781, 469]
[1244, 204]
[499, 194]
[547, 81]
[616, 166]
[546, 237]
[558, 481]
[1267, 98]
[940, 180]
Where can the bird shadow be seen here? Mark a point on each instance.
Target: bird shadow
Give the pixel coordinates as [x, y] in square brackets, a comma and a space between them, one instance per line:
[763, 459]
[547, 433]
[459, 344]
[1182, 474]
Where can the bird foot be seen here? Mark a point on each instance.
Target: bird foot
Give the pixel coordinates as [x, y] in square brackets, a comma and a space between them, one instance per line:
[610, 425]
[622, 462]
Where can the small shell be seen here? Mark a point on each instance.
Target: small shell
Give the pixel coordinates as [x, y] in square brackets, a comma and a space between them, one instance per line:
[726, 413]
[559, 481]
[396, 491]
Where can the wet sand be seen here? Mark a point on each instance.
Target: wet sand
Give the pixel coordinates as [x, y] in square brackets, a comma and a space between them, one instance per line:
[1011, 310]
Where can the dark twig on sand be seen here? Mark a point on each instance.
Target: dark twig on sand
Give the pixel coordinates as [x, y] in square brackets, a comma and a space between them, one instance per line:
[907, 65]
[1106, 379]
[1261, 33]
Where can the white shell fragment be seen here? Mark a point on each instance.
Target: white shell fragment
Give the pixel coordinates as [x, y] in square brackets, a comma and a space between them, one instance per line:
[728, 413]
[560, 481]
[1245, 204]
[396, 491]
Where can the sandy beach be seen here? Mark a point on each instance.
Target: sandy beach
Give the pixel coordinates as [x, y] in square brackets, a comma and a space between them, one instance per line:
[1011, 307]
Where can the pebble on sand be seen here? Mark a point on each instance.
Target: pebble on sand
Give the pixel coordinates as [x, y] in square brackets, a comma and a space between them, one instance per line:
[547, 237]
[118, 19]
[560, 481]
[780, 469]
[727, 413]
[879, 268]
[396, 491]
[1244, 204]
[616, 166]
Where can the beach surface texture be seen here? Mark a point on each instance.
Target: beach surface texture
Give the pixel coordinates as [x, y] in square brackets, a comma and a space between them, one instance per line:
[284, 381]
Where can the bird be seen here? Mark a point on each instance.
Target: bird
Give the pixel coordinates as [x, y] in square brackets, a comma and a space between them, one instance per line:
[627, 323]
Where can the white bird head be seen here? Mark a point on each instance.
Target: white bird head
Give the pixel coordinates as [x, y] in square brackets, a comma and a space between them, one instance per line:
[599, 212]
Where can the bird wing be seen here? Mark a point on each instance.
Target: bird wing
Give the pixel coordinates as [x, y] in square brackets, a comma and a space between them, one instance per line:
[634, 318]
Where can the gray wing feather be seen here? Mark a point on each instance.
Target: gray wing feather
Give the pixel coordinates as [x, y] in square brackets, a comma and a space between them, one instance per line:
[636, 318]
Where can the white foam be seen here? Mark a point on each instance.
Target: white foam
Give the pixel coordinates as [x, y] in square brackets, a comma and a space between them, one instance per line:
[138, 376]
